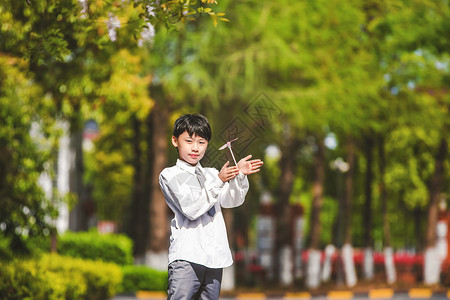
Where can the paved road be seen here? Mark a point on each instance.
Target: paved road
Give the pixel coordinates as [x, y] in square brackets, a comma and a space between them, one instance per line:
[395, 297]
[416, 294]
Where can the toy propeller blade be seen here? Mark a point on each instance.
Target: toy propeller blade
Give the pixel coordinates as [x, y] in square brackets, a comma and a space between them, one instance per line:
[228, 144]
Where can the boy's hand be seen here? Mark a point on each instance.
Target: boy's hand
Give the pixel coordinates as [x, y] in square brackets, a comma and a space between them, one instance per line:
[248, 167]
[228, 173]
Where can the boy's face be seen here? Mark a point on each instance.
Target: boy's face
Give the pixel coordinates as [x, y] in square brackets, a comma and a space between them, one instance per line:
[191, 149]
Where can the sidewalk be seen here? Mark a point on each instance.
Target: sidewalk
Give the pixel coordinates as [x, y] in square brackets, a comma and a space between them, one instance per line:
[381, 293]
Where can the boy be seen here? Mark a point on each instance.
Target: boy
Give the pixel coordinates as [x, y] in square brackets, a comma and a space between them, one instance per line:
[199, 247]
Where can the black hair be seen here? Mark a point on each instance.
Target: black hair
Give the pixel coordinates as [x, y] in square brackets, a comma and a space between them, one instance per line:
[193, 124]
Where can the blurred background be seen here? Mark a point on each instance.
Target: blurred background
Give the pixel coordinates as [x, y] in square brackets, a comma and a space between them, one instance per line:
[346, 101]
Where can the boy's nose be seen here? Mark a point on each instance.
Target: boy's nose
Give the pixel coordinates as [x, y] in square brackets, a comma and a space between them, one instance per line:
[194, 146]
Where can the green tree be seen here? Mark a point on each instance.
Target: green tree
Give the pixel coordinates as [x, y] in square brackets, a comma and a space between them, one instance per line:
[417, 77]
[23, 159]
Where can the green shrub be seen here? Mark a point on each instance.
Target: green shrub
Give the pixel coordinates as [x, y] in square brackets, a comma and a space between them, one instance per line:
[21, 281]
[101, 279]
[115, 248]
[57, 277]
[141, 278]
[31, 246]
[5, 252]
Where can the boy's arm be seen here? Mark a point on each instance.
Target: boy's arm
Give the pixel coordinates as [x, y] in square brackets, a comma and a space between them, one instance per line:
[234, 191]
[191, 206]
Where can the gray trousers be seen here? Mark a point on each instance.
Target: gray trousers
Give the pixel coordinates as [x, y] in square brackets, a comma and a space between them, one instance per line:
[193, 281]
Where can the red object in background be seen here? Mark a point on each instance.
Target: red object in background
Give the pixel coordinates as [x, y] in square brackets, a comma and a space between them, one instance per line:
[409, 266]
[378, 257]
[91, 130]
[106, 227]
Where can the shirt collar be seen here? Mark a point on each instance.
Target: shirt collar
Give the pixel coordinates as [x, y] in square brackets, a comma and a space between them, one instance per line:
[187, 167]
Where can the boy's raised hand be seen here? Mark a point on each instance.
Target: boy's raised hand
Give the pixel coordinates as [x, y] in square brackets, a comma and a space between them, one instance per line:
[248, 167]
[228, 173]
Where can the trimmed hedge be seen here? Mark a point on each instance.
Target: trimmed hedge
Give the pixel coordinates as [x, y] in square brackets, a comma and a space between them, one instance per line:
[142, 278]
[57, 277]
[115, 248]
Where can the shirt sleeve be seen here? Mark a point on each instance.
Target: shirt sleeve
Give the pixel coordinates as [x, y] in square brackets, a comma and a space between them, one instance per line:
[190, 203]
[229, 194]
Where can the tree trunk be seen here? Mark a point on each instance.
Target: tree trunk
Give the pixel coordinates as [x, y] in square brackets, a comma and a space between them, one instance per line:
[432, 259]
[368, 254]
[347, 249]
[349, 192]
[283, 226]
[435, 189]
[319, 161]
[138, 220]
[228, 282]
[418, 229]
[383, 195]
[77, 217]
[313, 268]
[158, 122]
[156, 256]
[391, 275]
[339, 230]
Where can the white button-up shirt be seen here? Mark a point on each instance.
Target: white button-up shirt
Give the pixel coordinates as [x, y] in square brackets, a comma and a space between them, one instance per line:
[195, 235]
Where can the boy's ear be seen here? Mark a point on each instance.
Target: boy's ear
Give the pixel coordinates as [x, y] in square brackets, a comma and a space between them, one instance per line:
[174, 141]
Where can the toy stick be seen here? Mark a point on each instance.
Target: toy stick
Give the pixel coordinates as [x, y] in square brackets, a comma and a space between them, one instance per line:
[228, 145]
